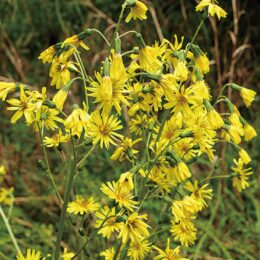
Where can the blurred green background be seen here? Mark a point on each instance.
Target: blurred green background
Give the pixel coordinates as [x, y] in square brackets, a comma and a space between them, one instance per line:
[27, 27]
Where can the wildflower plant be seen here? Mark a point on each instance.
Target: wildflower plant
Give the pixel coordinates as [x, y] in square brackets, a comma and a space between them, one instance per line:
[152, 109]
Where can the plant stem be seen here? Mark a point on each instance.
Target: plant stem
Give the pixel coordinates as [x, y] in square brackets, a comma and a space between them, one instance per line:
[9, 230]
[68, 189]
[48, 170]
[102, 35]
[81, 162]
[84, 74]
[117, 29]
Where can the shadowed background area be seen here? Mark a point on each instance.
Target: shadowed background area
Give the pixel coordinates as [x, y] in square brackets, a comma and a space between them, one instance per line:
[27, 27]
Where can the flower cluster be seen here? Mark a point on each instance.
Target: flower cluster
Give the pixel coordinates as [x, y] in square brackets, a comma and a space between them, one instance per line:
[153, 105]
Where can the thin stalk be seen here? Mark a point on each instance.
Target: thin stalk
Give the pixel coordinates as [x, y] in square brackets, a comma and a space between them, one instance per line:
[81, 162]
[84, 74]
[124, 34]
[194, 36]
[8, 227]
[117, 29]
[48, 170]
[102, 35]
[68, 189]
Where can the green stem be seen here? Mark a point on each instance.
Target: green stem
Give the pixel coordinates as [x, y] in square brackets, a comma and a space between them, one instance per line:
[48, 170]
[102, 35]
[194, 36]
[81, 162]
[84, 74]
[117, 29]
[8, 227]
[68, 189]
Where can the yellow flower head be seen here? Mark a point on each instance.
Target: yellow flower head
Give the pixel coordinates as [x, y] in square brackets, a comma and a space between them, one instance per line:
[244, 155]
[75, 41]
[77, 121]
[138, 249]
[138, 10]
[184, 231]
[66, 255]
[60, 71]
[168, 253]
[102, 129]
[184, 209]
[199, 194]
[82, 206]
[213, 8]
[6, 195]
[6, 88]
[123, 197]
[56, 139]
[31, 254]
[250, 132]
[125, 150]
[181, 72]
[22, 107]
[108, 218]
[48, 54]
[134, 228]
[109, 254]
[247, 95]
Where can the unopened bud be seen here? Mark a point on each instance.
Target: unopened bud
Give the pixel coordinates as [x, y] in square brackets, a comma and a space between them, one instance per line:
[42, 165]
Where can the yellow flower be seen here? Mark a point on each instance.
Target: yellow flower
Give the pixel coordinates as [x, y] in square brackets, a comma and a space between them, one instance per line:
[56, 139]
[199, 194]
[184, 231]
[134, 228]
[22, 107]
[6, 88]
[75, 41]
[2, 170]
[138, 249]
[235, 133]
[31, 254]
[202, 89]
[240, 180]
[117, 70]
[102, 129]
[234, 120]
[148, 59]
[67, 255]
[82, 206]
[213, 8]
[215, 120]
[125, 150]
[250, 132]
[77, 121]
[182, 99]
[108, 218]
[202, 63]
[122, 196]
[168, 253]
[181, 72]
[138, 10]
[60, 71]
[108, 84]
[244, 156]
[48, 117]
[60, 98]
[180, 172]
[6, 195]
[247, 95]
[48, 54]
[184, 209]
[109, 254]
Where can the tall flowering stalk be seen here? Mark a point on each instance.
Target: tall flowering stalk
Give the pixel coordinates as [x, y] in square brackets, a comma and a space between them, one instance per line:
[157, 114]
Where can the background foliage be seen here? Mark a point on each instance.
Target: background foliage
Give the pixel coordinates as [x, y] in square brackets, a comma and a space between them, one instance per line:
[231, 225]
